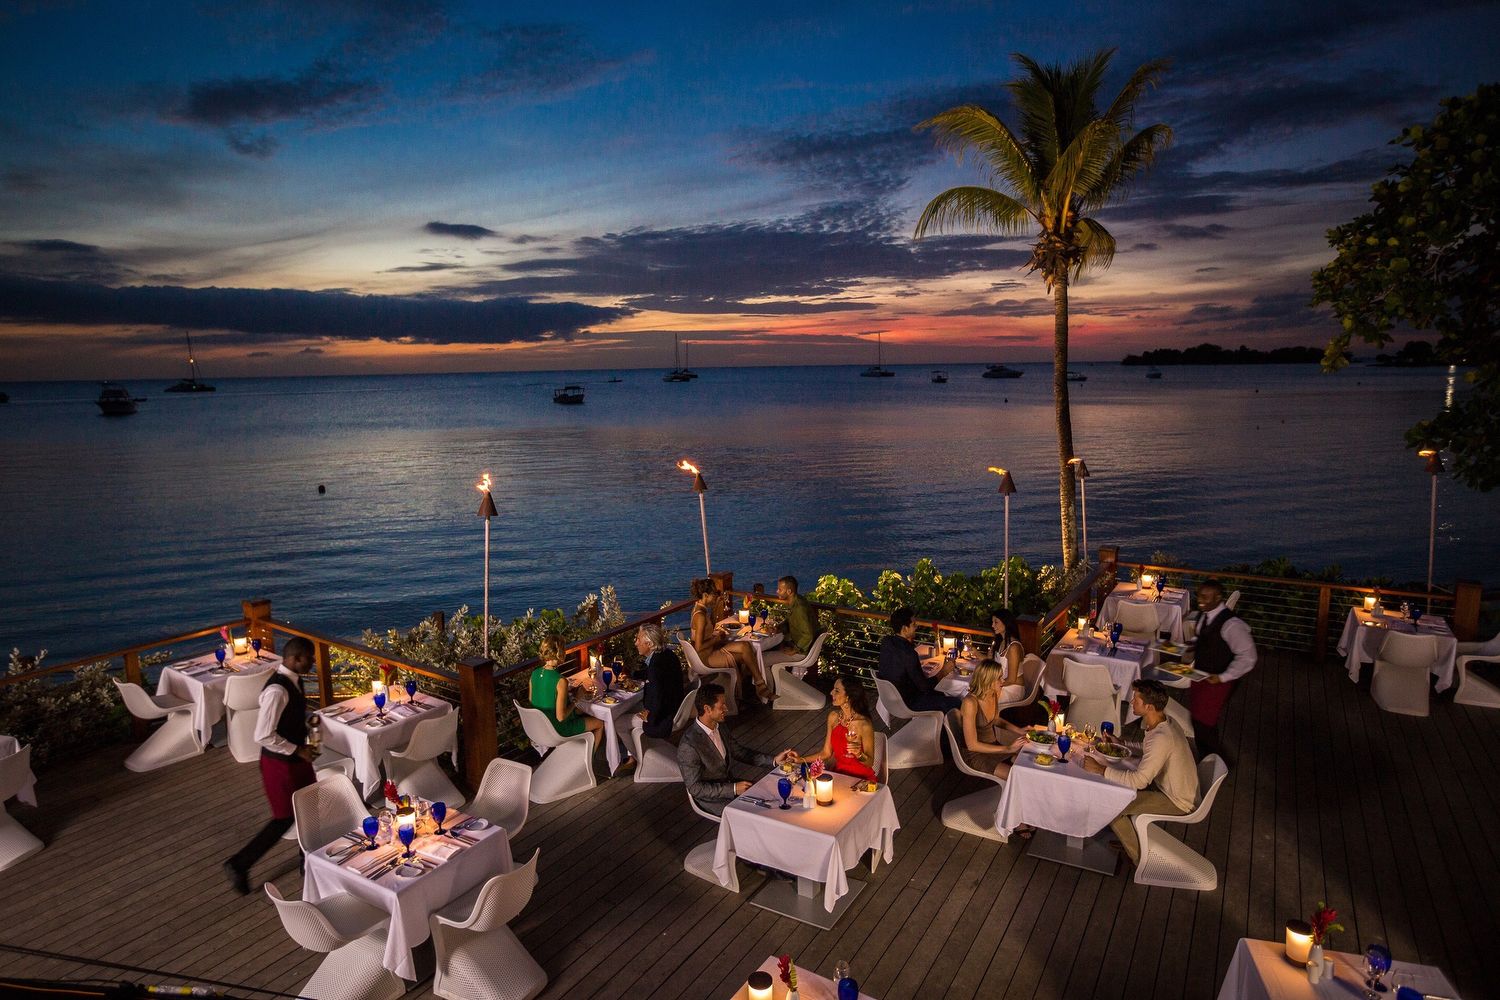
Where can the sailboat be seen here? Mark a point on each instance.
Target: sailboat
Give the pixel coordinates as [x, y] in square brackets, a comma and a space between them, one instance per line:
[678, 373]
[877, 370]
[191, 383]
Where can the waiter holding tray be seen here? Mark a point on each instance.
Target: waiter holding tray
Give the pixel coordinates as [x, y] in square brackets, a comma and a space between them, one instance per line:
[285, 758]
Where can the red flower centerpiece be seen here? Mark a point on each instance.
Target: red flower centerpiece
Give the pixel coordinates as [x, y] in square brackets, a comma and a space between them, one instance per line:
[1324, 922]
[392, 794]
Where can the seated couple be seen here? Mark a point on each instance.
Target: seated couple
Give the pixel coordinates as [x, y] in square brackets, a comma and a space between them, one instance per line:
[799, 628]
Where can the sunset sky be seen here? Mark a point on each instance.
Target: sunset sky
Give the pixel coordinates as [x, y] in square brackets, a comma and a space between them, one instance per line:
[331, 186]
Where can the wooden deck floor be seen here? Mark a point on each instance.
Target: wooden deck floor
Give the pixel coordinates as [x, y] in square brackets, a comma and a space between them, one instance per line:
[1390, 819]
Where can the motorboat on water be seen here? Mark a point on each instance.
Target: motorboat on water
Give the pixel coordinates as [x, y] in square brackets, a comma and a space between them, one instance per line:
[116, 401]
[1077, 377]
[568, 395]
[939, 378]
[1001, 371]
[1154, 373]
[877, 370]
[191, 383]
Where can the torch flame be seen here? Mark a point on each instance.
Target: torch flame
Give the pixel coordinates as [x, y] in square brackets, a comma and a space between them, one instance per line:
[687, 466]
[998, 472]
[483, 485]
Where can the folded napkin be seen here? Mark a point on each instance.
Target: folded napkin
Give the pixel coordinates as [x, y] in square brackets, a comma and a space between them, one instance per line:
[436, 849]
[372, 860]
[406, 711]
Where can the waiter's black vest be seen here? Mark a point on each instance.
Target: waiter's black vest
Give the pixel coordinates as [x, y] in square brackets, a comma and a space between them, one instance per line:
[1214, 654]
[292, 726]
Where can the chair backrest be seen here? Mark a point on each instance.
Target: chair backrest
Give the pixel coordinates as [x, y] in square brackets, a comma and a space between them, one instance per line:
[685, 710]
[696, 665]
[242, 691]
[1233, 601]
[879, 762]
[326, 810]
[888, 702]
[15, 771]
[700, 810]
[1211, 774]
[1087, 680]
[814, 651]
[1137, 619]
[501, 899]
[539, 729]
[1408, 651]
[1178, 713]
[138, 702]
[1489, 648]
[1033, 672]
[307, 925]
[953, 725]
[431, 737]
[504, 789]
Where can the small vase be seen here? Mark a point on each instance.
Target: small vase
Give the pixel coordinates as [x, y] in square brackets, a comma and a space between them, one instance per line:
[1315, 964]
[792, 995]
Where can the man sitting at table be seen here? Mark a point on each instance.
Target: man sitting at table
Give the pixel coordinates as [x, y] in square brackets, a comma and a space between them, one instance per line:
[663, 677]
[716, 767]
[900, 664]
[285, 758]
[799, 629]
[1225, 652]
[1166, 782]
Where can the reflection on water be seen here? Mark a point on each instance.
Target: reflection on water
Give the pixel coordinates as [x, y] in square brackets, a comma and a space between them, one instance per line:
[122, 529]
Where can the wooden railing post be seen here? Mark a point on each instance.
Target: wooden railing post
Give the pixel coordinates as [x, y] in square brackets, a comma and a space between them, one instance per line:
[1031, 633]
[723, 580]
[325, 673]
[1320, 631]
[258, 613]
[439, 621]
[133, 675]
[476, 706]
[1468, 595]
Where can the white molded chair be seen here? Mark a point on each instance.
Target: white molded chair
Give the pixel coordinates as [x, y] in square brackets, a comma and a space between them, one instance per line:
[175, 740]
[657, 759]
[1137, 621]
[792, 692]
[1033, 672]
[326, 810]
[973, 813]
[504, 795]
[1167, 861]
[916, 744]
[729, 680]
[1476, 690]
[16, 842]
[414, 768]
[352, 933]
[700, 860]
[242, 709]
[1092, 697]
[1178, 713]
[570, 767]
[478, 956]
[1232, 601]
[1403, 669]
[880, 763]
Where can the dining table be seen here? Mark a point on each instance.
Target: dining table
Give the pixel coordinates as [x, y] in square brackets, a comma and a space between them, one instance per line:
[613, 707]
[1259, 970]
[760, 638]
[810, 985]
[1066, 804]
[1364, 632]
[202, 680]
[1171, 604]
[1126, 662]
[448, 867]
[817, 845]
[356, 729]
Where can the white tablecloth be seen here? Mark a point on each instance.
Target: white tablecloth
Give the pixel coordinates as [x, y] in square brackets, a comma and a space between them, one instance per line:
[411, 901]
[27, 794]
[366, 740]
[616, 719]
[1063, 798]
[1173, 605]
[760, 640]
[1363, 634]
[810, 985]
[1125, 665]
[820, 843]
[1259, 971]
[201, 681]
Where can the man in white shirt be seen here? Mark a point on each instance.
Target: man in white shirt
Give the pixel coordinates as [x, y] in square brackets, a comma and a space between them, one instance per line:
[1225, 652]
[716, 767]
[285, 758]
[1166, 782]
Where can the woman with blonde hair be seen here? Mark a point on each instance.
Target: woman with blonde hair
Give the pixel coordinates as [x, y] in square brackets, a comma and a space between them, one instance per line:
[989, 742]
[549, 694]
[714, 648]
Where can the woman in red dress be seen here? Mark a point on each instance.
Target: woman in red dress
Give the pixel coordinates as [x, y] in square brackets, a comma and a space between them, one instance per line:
[849, 744]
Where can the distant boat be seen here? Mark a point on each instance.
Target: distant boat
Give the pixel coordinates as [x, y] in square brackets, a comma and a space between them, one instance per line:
[568, 395]
[687, 360]
[615, 378]
[678, 373]
[191, 383]
[1001, 371]
[877, 370]
[116, 400]
[1154, 373]
[940, 378]
[1077, 377]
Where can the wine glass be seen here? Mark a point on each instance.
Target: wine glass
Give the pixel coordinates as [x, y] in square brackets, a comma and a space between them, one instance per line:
[784, 789]
[439, 811]
[371, 826]
[765, 616]
[219, 655]
[255, 645]
[411, 690]
[380, 704]
[1416, 616]
[1377, 964]
[840, 970]
[406, 832]
[1063, 742]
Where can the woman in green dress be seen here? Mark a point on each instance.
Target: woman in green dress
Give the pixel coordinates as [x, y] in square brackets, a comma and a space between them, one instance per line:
[549, 693]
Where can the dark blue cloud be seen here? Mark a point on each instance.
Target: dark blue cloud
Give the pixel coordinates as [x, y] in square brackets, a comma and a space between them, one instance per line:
[460, 230]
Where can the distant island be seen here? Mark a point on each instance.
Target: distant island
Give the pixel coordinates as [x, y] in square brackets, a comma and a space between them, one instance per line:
[1213, 354]
[1416, 354]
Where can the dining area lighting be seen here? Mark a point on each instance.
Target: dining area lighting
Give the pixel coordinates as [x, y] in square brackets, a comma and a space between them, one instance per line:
[700, 487]
[1007, 487]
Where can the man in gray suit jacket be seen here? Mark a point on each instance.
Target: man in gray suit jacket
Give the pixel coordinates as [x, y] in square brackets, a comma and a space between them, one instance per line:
[716, 767]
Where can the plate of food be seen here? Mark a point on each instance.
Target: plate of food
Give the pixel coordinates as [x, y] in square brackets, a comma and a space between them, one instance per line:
[1112, 752]
[1041, 738]
[1045, 759]
[609, 699]
[1180, 669]
[866, 787]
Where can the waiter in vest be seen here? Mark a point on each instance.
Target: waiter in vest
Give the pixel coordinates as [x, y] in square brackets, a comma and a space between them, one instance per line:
[285, 758]
[1226, 653]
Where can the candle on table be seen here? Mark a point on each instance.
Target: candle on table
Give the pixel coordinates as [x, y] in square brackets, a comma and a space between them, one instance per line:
[744, 616]
[1370, 602]
[1147, 581]
[1298, 941]
[823, 784]
[759, 985]
[377, 687]
[242, 646]
[948, 643]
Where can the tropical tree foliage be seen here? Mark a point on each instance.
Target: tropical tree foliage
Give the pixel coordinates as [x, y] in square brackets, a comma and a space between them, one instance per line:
[1071, 158]
[1425, 258]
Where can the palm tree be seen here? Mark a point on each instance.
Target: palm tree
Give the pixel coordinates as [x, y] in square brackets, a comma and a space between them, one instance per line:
[1070, 159]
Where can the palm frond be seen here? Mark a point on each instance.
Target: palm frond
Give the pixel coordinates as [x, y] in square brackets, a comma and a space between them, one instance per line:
[974, 209]
[1033, 94]
[1131, 158]
[971, 130]
[1122, 110]
[1082, 164]
[1098, 246]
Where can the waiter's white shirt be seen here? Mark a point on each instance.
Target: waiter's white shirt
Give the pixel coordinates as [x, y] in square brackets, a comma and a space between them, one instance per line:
[273, 699]
[1236, 633]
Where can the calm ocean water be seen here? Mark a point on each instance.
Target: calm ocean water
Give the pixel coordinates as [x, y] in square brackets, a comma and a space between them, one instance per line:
[116, 530]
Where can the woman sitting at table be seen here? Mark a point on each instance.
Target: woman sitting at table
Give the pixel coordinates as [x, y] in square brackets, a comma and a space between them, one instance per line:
[1007, 651]
[714, 648]
[989, 742]
[849, 743]
[549, 693]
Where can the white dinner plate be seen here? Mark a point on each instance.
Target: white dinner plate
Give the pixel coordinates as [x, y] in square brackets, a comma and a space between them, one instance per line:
[477, 823]
[407, 871]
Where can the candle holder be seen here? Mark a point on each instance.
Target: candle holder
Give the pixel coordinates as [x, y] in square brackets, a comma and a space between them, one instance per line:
[758, 986]
[1298, 941]
[823, 788]
[242, 646]
[1370, 602]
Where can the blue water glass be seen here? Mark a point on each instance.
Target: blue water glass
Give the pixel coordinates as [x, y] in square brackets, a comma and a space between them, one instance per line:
[1115, 630]
[605, 677]
[1377, 964]
[411, 690]
[406, 833]
[371, 826]
[255, 645]
[380, 704]
[848, 989]
[1063, 743]
[219, 655]
[1107, 728]
[784, 789]
[439, 810]
[1416, 615]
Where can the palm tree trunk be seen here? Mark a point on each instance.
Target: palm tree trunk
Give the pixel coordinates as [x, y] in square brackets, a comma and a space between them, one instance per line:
[1065, 481]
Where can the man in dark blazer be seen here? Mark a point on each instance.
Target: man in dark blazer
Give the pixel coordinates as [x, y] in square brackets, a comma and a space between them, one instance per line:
[663, 677]
[900, 664]
[716, 767]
